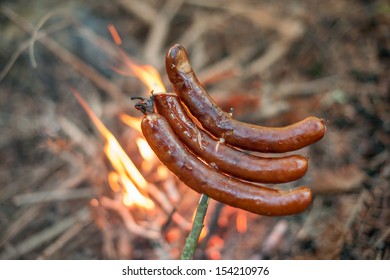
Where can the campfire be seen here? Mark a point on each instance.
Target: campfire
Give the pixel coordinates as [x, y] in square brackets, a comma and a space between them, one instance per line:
[205, 164]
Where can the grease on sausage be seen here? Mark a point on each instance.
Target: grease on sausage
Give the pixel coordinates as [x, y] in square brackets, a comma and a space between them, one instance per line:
[204, 179]
[225, 158]
[222, 125]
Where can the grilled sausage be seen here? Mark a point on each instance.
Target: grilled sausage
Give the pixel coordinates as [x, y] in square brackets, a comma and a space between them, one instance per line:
[222, 125]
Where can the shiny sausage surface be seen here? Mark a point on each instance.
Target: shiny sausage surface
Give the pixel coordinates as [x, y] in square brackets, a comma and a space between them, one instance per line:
[222, 125]
[204, 179]
[223, 157]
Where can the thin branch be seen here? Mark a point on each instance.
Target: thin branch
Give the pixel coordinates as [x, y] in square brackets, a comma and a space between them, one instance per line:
[193, 237]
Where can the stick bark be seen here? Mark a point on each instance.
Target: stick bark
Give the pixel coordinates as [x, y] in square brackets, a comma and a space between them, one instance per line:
[197, 226]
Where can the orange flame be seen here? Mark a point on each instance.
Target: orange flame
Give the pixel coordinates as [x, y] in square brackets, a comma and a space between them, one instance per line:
[147, 154]
[127, 173]
[133, 122]
[146, 73]
[145, 150]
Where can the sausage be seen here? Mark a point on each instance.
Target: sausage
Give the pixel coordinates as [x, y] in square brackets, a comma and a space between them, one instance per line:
[206, 180]
[223, 157]
[222, 125]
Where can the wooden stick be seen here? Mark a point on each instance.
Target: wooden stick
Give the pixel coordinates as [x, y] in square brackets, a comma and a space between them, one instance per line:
[197, 226]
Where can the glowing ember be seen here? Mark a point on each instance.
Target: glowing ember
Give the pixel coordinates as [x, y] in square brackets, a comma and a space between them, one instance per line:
[162, 172]
[215, 255]
[113, 181]
[241, 222]
[94, 202]
[114, 34]
[223, 221]
[215, 246]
